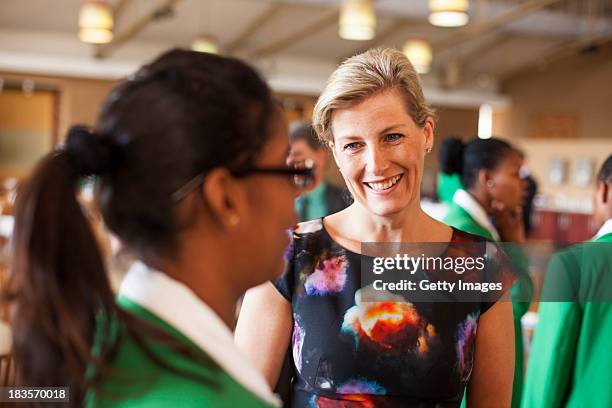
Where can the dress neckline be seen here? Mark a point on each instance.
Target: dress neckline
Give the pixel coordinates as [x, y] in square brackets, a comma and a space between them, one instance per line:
[453, 238]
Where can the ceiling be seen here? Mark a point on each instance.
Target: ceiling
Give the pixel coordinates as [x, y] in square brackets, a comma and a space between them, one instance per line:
[297, 40]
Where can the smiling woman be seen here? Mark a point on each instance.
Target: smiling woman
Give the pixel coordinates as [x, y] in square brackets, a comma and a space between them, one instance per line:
[388, 353]
[379, 150]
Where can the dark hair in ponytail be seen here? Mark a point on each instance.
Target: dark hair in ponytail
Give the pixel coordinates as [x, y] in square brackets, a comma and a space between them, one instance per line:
[57, 269]
[184, 114]
[469, 158]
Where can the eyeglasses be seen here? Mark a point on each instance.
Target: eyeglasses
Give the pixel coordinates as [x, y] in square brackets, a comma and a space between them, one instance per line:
[301, 177]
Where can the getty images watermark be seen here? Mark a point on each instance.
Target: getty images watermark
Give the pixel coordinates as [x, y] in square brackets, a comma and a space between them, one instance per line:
[484, 271]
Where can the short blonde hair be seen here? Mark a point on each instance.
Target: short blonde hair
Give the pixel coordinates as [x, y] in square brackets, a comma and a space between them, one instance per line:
[361, 76]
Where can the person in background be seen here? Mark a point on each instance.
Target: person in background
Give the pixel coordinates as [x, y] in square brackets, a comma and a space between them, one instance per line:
[531, 189]
[489, 205]
[321, 198]
[348, 351]
[189, 156]
[449, 179]
[570, 363]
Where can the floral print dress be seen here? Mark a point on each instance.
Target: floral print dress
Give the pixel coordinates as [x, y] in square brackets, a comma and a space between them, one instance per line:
[348, 352]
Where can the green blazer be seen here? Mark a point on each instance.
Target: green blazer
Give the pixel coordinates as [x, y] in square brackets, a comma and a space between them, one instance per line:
[135, 381]
[570, 363]
[447, 184]
[521, 291]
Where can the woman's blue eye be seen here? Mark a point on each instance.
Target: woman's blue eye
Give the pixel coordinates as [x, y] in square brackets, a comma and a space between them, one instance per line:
[393, 137]
[351, 146]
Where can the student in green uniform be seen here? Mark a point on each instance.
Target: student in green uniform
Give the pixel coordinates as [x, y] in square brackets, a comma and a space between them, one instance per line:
[570, 364]
[189, 159]
[490, 206]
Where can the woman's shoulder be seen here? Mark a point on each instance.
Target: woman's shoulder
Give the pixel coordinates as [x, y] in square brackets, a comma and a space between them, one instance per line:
[149, 386]
[309, 227]
[146, 373]
[312, 238]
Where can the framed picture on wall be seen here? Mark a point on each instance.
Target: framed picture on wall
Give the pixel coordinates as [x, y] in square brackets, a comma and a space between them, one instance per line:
[582, 172]
[557, 171]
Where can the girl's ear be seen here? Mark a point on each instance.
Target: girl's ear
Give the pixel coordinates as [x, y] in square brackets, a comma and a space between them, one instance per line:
[225, 196]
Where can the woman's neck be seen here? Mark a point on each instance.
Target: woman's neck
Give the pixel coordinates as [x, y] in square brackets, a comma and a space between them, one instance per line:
[409, 225]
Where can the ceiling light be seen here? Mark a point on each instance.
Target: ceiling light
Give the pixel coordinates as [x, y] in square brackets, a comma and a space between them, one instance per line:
[448, 13]
[420, 55]
[96, 22]
[485, 121]
[357, 20]
[205, 43]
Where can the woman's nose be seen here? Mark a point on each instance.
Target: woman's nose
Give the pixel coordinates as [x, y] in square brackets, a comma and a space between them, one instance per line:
[377, 161]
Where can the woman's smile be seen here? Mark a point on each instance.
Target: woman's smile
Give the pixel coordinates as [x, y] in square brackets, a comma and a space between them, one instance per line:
[384, 186]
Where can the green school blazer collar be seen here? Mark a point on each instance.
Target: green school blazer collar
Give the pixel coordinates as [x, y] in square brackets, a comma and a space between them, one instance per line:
[604, 232]
[177, 305]
[469, 204]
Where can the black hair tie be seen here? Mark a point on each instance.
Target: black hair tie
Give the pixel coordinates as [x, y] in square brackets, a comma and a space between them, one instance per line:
[89, 154]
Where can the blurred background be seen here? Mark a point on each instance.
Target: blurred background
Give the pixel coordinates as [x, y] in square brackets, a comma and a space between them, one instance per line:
[535, 72]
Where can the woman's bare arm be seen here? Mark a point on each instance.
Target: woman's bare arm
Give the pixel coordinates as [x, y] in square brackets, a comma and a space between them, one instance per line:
[492, 375]
[264, 329]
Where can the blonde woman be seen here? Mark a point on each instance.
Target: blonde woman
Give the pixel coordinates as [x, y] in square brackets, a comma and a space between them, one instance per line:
[374, 118]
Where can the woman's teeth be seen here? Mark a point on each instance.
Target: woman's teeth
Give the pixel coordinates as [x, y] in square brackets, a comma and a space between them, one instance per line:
[384, 185]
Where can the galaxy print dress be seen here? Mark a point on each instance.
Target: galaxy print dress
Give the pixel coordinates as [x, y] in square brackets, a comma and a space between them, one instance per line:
[352, 353]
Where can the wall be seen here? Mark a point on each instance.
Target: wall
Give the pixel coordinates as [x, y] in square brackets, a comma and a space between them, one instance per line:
[579, 87]
[567, 196]
[79, 99]
[575, 94]
[27, 127]
[75, 101]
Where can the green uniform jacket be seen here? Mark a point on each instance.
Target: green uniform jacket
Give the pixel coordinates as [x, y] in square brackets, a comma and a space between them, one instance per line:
[521, 291]
[135, 381]
[447, 185]
[570, 363]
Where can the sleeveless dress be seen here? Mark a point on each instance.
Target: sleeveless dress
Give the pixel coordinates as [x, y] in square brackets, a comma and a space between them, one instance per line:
[348, 352]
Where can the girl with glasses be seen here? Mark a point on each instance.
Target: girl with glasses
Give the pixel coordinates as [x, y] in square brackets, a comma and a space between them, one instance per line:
[189, 160]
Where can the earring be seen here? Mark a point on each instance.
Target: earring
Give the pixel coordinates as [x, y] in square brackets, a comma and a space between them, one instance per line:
[233, 220]
[490, 184]
[428, 150]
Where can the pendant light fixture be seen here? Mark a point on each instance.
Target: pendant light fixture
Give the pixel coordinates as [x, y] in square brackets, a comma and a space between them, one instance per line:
[205, 43]
[448, 13]
[357, 20]
[96, 22]
[420, 55]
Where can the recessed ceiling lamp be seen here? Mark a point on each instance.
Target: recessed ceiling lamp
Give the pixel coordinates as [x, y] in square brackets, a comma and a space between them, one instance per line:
[357, 20]
[420, 55]
[96, 22]
[205, 43]
[448, 13]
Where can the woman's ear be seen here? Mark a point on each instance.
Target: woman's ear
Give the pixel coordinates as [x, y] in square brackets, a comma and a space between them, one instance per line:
[225, 196]
[332, 147]
[428, 133]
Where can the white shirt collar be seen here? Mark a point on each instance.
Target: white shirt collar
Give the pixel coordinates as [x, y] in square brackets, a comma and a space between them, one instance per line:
[604, 230]
[465, 200]
[177, 305]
